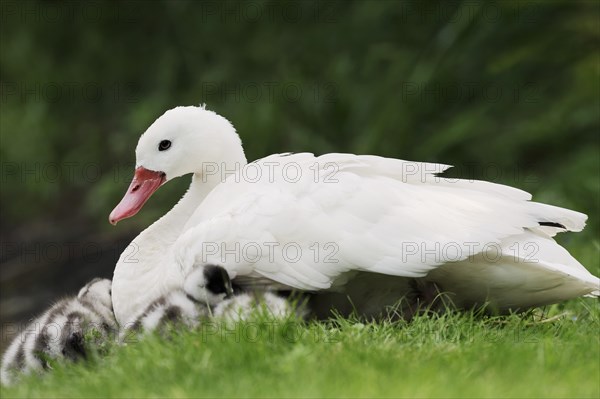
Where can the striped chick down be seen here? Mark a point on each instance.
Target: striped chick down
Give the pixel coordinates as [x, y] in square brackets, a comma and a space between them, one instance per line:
[207, 295]
[64, 331]
[203, 288]
[246, 305]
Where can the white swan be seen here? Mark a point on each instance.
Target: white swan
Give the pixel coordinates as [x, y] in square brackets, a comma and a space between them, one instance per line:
[356, 225]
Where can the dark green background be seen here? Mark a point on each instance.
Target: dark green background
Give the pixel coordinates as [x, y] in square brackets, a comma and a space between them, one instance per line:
[507, 91]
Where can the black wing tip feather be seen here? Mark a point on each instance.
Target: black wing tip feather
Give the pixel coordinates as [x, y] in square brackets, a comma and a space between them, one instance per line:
[552, 224]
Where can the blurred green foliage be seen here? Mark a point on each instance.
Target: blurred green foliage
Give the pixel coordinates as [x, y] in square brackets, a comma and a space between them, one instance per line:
[507, 91]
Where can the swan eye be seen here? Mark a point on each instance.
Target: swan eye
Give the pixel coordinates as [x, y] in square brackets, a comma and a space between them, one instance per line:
[164, 145]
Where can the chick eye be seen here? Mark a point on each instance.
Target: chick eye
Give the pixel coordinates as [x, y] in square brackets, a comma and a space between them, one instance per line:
[164, 145]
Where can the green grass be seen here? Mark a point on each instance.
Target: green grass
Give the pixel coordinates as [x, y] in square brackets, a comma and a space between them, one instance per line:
[550, 352]
[555, 354]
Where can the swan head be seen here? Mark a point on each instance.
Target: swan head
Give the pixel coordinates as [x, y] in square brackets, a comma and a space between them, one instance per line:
[183, 140]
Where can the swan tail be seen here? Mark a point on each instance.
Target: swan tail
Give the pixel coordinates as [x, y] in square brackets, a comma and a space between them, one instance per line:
[530, 270]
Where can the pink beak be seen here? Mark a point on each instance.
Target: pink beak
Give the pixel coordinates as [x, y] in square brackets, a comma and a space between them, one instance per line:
[145, 182]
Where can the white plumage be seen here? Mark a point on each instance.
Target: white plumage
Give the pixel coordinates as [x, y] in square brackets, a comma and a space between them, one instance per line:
[321, 223]
[246, 305]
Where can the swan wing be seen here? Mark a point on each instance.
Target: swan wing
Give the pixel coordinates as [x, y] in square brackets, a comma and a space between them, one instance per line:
[306, 222]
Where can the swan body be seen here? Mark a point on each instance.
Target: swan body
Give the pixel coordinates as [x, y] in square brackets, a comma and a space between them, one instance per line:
[355, 226]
